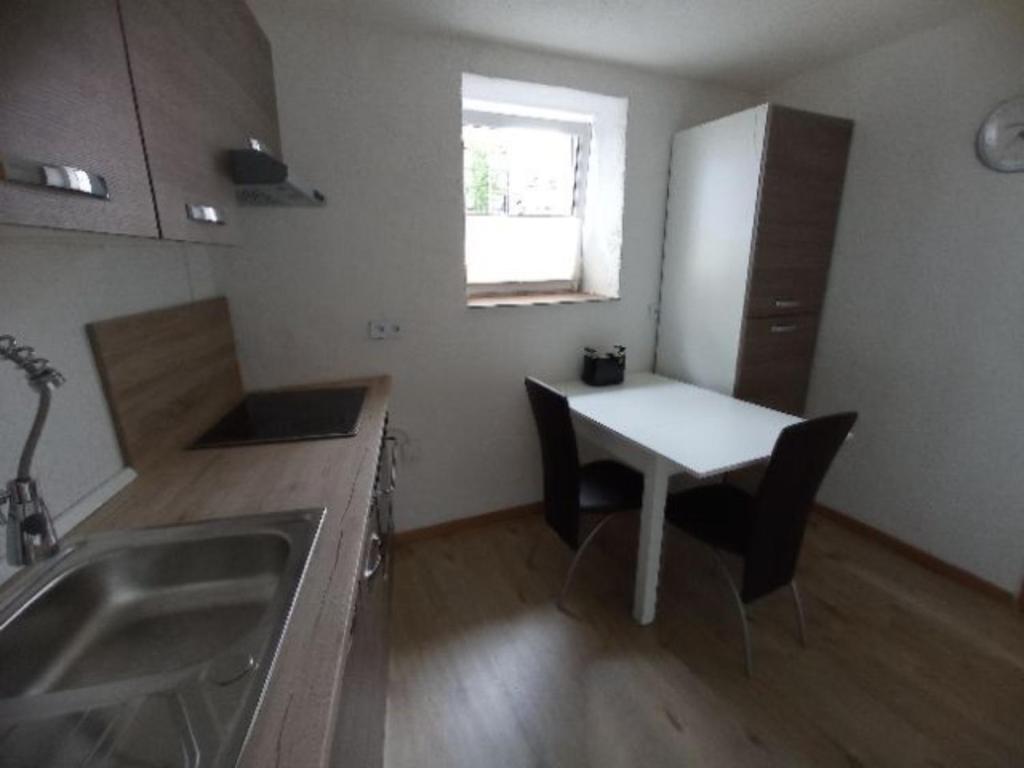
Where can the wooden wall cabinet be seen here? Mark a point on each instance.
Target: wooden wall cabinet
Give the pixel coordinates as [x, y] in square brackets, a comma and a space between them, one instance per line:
[149, 94]
[66, 100]
[204, 84]
[753, 205]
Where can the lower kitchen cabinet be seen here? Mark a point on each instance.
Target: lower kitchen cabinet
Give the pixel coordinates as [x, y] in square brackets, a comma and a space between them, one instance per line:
[359, 733]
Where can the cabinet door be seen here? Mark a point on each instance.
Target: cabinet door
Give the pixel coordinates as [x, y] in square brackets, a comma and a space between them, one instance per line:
[359, 734]
[203, 76]
[801, 190]
[66, 102]
[798, 209]
[776, 358]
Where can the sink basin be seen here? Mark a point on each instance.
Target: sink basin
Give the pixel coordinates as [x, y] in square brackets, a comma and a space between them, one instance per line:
[149, 647]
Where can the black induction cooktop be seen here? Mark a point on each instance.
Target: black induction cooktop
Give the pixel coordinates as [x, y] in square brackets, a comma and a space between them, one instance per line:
[287, 416]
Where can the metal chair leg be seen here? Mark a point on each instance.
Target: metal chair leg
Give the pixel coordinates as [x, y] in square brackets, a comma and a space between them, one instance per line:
[576, 561]
[748, 651]
[799, 612]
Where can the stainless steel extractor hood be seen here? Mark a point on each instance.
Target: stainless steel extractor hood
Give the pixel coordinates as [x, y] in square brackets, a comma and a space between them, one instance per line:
[262, 179]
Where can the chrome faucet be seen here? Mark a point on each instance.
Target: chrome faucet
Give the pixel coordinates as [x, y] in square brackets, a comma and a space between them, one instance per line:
[31, 536]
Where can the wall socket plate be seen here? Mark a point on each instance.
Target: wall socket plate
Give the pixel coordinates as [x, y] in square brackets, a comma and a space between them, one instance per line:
[380, 330]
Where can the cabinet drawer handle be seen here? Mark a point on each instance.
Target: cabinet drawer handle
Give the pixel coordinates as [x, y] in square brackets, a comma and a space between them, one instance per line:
[63, 178]
[377, 551]
[784, 328]
[392, 445]
[786, 303]
[204, 214]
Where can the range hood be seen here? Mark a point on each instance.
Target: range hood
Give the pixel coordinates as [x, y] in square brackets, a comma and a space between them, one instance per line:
[262, 179]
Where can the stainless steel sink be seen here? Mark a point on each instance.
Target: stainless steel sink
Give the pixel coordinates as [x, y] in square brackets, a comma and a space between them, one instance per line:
[149, 647]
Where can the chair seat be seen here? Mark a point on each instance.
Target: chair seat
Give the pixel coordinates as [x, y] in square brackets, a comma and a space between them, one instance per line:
[720, 515]
[608, 486]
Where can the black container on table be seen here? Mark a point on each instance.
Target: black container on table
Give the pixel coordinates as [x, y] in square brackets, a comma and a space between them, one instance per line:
[602, 369]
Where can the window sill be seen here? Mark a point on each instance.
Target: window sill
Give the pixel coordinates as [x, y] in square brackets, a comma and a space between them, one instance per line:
[535, 300]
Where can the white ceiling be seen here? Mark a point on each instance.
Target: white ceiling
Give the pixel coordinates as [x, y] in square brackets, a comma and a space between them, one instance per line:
[748, 43]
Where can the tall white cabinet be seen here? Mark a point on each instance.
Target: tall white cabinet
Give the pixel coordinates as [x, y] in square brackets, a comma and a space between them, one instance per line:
[753, 204]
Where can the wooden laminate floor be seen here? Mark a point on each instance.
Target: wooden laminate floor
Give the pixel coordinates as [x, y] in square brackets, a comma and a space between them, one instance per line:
[904, 668]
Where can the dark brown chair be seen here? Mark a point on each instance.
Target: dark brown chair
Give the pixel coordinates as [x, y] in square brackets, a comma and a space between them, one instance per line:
[574, 494]
[766, 528]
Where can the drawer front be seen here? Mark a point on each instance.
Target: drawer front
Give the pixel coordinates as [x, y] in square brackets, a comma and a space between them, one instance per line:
[779, 291]
[775, 362]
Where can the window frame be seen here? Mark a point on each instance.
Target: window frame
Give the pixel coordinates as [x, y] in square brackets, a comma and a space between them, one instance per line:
[582, 129]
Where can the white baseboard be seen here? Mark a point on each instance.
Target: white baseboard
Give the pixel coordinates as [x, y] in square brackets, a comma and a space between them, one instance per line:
[76, 513]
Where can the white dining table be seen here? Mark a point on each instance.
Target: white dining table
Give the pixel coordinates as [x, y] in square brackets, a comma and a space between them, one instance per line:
[661, 427]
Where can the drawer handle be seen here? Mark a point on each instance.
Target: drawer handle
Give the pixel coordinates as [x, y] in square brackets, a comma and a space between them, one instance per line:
[63, 178]
[377, 550]
[785, 328]
[786, 303]
[204, 214]
[392, 445]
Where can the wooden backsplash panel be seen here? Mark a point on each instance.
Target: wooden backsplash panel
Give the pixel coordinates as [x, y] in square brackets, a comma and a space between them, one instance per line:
[168, 374]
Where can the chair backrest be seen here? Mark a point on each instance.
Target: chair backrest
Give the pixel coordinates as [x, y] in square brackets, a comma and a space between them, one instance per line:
[559, 458]
[801, 458]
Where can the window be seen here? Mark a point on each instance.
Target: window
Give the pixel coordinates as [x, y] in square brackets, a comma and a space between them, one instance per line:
[543, 171]
[524, 188]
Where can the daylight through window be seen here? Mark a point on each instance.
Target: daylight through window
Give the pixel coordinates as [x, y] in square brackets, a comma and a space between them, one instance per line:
[524, 186]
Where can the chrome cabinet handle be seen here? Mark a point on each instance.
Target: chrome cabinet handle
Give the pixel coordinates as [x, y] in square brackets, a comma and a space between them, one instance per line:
[784, 328]
[383, 511]
[63, 178]
[786, 303]
[355, 615]
[376, 547]
[204, 214]
[392, 444]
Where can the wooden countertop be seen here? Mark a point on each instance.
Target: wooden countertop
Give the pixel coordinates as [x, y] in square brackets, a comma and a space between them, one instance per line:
[295, 723]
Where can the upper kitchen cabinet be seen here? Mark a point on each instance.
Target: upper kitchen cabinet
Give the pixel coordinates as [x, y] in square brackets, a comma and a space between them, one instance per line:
[204, 85]
[754, 201]
[71, 156]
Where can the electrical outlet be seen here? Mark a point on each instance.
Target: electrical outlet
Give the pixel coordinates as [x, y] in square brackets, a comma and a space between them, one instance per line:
[380, 330]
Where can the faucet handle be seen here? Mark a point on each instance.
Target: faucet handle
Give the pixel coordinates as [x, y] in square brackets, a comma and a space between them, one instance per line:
[31, 535]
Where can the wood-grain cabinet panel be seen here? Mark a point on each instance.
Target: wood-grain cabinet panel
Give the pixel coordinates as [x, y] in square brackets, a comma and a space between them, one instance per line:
[66, 99]
[203, 78]
[786, 290]
[801, 189]
[168, 374]
[776, 358]
[359, 731]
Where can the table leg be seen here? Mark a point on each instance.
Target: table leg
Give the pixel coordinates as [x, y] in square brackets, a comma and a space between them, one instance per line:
[652, 523]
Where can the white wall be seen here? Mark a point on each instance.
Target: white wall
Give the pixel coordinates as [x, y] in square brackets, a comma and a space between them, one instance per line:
[374, 117]
[923, 329]
[51, 285]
